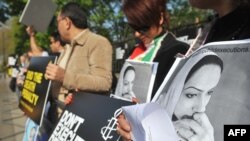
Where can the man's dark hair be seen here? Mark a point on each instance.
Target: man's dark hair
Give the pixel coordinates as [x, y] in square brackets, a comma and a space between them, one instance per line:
[57, 37]
[145, 13]
[76, 14]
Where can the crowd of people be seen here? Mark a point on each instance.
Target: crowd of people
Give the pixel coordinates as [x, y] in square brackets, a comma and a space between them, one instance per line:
[85, 58]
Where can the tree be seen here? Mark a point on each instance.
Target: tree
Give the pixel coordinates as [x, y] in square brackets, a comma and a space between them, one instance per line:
[181, 13]
[105, 18]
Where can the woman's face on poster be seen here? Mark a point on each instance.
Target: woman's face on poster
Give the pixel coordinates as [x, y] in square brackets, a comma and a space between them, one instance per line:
[197, 91]
[128, 82]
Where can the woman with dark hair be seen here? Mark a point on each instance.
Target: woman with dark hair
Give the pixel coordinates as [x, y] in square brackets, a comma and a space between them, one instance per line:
[148, 19]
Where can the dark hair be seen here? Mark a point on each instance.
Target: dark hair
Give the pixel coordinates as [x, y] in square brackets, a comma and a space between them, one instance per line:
[127, 69]
[76, 14]
[144, 13]
[210, 59]
[57, 37]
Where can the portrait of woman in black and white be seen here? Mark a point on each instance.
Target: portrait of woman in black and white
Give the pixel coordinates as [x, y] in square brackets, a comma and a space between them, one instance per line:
[189, 93]
[126, 80]
[136, 80]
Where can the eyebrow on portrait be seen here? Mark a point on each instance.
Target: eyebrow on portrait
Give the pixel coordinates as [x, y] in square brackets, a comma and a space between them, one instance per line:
[192, 87]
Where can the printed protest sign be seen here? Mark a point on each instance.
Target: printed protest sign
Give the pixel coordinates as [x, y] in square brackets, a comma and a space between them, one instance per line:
[90, 117]
[36, 88]
[136, 80]
[208, 90]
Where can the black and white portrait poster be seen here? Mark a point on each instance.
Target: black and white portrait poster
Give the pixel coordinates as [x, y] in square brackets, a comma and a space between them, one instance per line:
[90, 117]
[136, 80]
[208, 90]
[36, 89]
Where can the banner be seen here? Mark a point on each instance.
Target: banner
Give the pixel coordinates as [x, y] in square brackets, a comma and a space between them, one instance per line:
[136, 80]
[208, 90]
[38, 13]
[90, 117]
[36, 89]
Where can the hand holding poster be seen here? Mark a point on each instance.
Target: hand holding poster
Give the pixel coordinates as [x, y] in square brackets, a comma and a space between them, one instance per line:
[36, 88]
[90, 117]
[136, 80]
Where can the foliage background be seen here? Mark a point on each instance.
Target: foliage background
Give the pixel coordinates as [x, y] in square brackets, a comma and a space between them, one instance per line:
[105, 18]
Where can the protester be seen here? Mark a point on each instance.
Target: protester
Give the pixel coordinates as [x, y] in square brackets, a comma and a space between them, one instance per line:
[35, 51]
[23, 66]
[232, 23]
[149, 21]
[56, 44]
[86, 64]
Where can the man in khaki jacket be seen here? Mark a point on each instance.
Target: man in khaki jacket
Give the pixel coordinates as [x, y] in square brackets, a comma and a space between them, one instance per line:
[86, 63]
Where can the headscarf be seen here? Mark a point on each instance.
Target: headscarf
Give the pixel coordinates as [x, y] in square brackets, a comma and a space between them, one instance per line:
[172, 90]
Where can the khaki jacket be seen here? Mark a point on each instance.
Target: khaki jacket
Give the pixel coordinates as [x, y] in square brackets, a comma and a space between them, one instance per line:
[89, 67]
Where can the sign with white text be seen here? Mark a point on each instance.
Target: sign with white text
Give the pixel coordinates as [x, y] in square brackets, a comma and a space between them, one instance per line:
[90, 117]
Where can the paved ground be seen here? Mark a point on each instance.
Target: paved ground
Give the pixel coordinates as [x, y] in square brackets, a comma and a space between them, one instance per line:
[12, 119]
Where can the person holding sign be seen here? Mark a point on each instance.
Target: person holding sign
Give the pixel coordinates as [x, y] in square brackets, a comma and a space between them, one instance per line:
[148, 19]
[229, 25]
[86, 64]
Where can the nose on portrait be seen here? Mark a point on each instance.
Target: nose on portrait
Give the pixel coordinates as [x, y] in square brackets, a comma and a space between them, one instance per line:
[200, 106]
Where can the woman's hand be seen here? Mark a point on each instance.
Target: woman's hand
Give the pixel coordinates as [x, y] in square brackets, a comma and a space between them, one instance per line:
[197, 129]
[123, 128]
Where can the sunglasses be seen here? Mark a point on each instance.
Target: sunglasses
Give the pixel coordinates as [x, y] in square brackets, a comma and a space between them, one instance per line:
[58, 20]
[141, 30]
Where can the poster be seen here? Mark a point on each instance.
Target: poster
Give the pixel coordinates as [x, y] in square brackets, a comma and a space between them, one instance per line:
[38, 13]
[36, 89]
[31, 131]
[208, 90]
[90, 117]
[136, 80]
